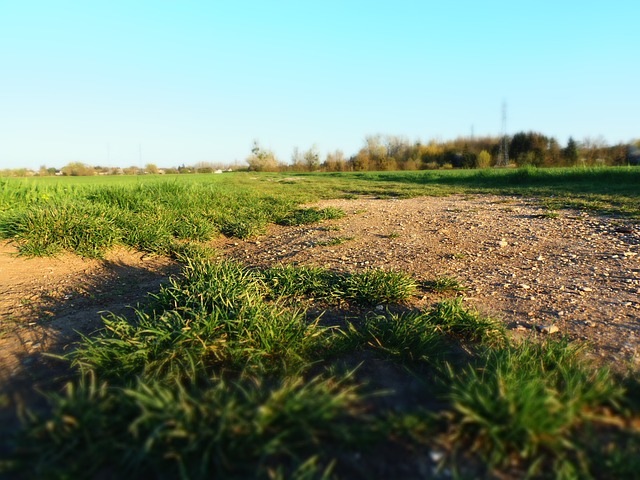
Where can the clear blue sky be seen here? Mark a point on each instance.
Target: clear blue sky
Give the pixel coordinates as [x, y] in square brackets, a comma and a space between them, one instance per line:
[172, 82]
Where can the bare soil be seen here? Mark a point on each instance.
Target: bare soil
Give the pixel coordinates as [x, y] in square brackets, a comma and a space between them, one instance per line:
[47, 303]
[520, 263]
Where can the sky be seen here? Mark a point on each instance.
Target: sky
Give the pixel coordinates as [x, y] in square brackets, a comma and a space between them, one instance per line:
[122, 83]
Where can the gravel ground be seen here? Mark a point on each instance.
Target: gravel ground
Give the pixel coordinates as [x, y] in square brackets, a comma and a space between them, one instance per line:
[572, 271]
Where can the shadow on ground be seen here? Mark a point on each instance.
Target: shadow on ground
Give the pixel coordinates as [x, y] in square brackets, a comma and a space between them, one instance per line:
[54, 327]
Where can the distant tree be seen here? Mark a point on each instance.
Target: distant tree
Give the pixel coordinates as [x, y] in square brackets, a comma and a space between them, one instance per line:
[335, 162]
[297, 160]
[151, 168]
[570, 152]
[132, 170]
[593, 149]
[398, 149]
[207, 167]
[262, 160]
[312, 158]
[530, 148]
[77, 169]
[484, 159]
[618, 155]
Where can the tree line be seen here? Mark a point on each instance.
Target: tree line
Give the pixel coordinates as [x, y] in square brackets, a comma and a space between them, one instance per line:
[389, 152]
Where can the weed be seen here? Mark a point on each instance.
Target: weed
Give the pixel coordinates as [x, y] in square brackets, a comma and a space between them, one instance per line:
[452, 318]
[444, 284]
[297, 281]
[379, 286]
[409, 338]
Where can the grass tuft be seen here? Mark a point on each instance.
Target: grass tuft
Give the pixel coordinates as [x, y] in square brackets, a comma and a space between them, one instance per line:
[304, 216]
[525, 405]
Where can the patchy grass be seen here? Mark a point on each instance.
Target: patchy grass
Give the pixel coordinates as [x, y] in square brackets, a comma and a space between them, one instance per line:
[444, 284]
[305, 216]
[303, 372]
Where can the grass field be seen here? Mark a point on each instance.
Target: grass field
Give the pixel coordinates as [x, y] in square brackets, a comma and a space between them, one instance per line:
[301, 372]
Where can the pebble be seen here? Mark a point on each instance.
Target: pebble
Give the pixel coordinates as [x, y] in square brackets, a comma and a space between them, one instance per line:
[547, 329]
[503, 243]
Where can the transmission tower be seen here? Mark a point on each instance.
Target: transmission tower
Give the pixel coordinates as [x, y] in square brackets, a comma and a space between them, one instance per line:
[503, 154]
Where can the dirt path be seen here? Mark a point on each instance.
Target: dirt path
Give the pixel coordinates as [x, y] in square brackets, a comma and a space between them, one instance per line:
[521, 263]
[578, 272]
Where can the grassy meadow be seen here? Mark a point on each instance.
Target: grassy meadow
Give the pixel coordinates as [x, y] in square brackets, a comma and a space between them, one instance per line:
[299, 372]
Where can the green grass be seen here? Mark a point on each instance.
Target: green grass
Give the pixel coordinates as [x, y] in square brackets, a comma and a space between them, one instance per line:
[306, 216]
[88, 215]
[444, 284]
[527, 406]
[303, 372]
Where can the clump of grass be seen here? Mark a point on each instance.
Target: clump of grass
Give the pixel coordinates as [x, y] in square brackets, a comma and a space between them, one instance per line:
[524, 405]
[372, 287]
[213, 317]
[444, 284]
[248, 428]
[425, 337]
[379, 286]
[304, 216]
[77, 227]
[452, 318]
[331, 228]
[298, 281]
[549, 214]
[393, 235]
[408, 338]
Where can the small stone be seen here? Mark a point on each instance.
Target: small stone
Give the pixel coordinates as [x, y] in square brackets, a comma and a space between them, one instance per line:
[590, 323]
[547, 329]
[380, 307]
[524, 286]
[586, 289]
[503, 243]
